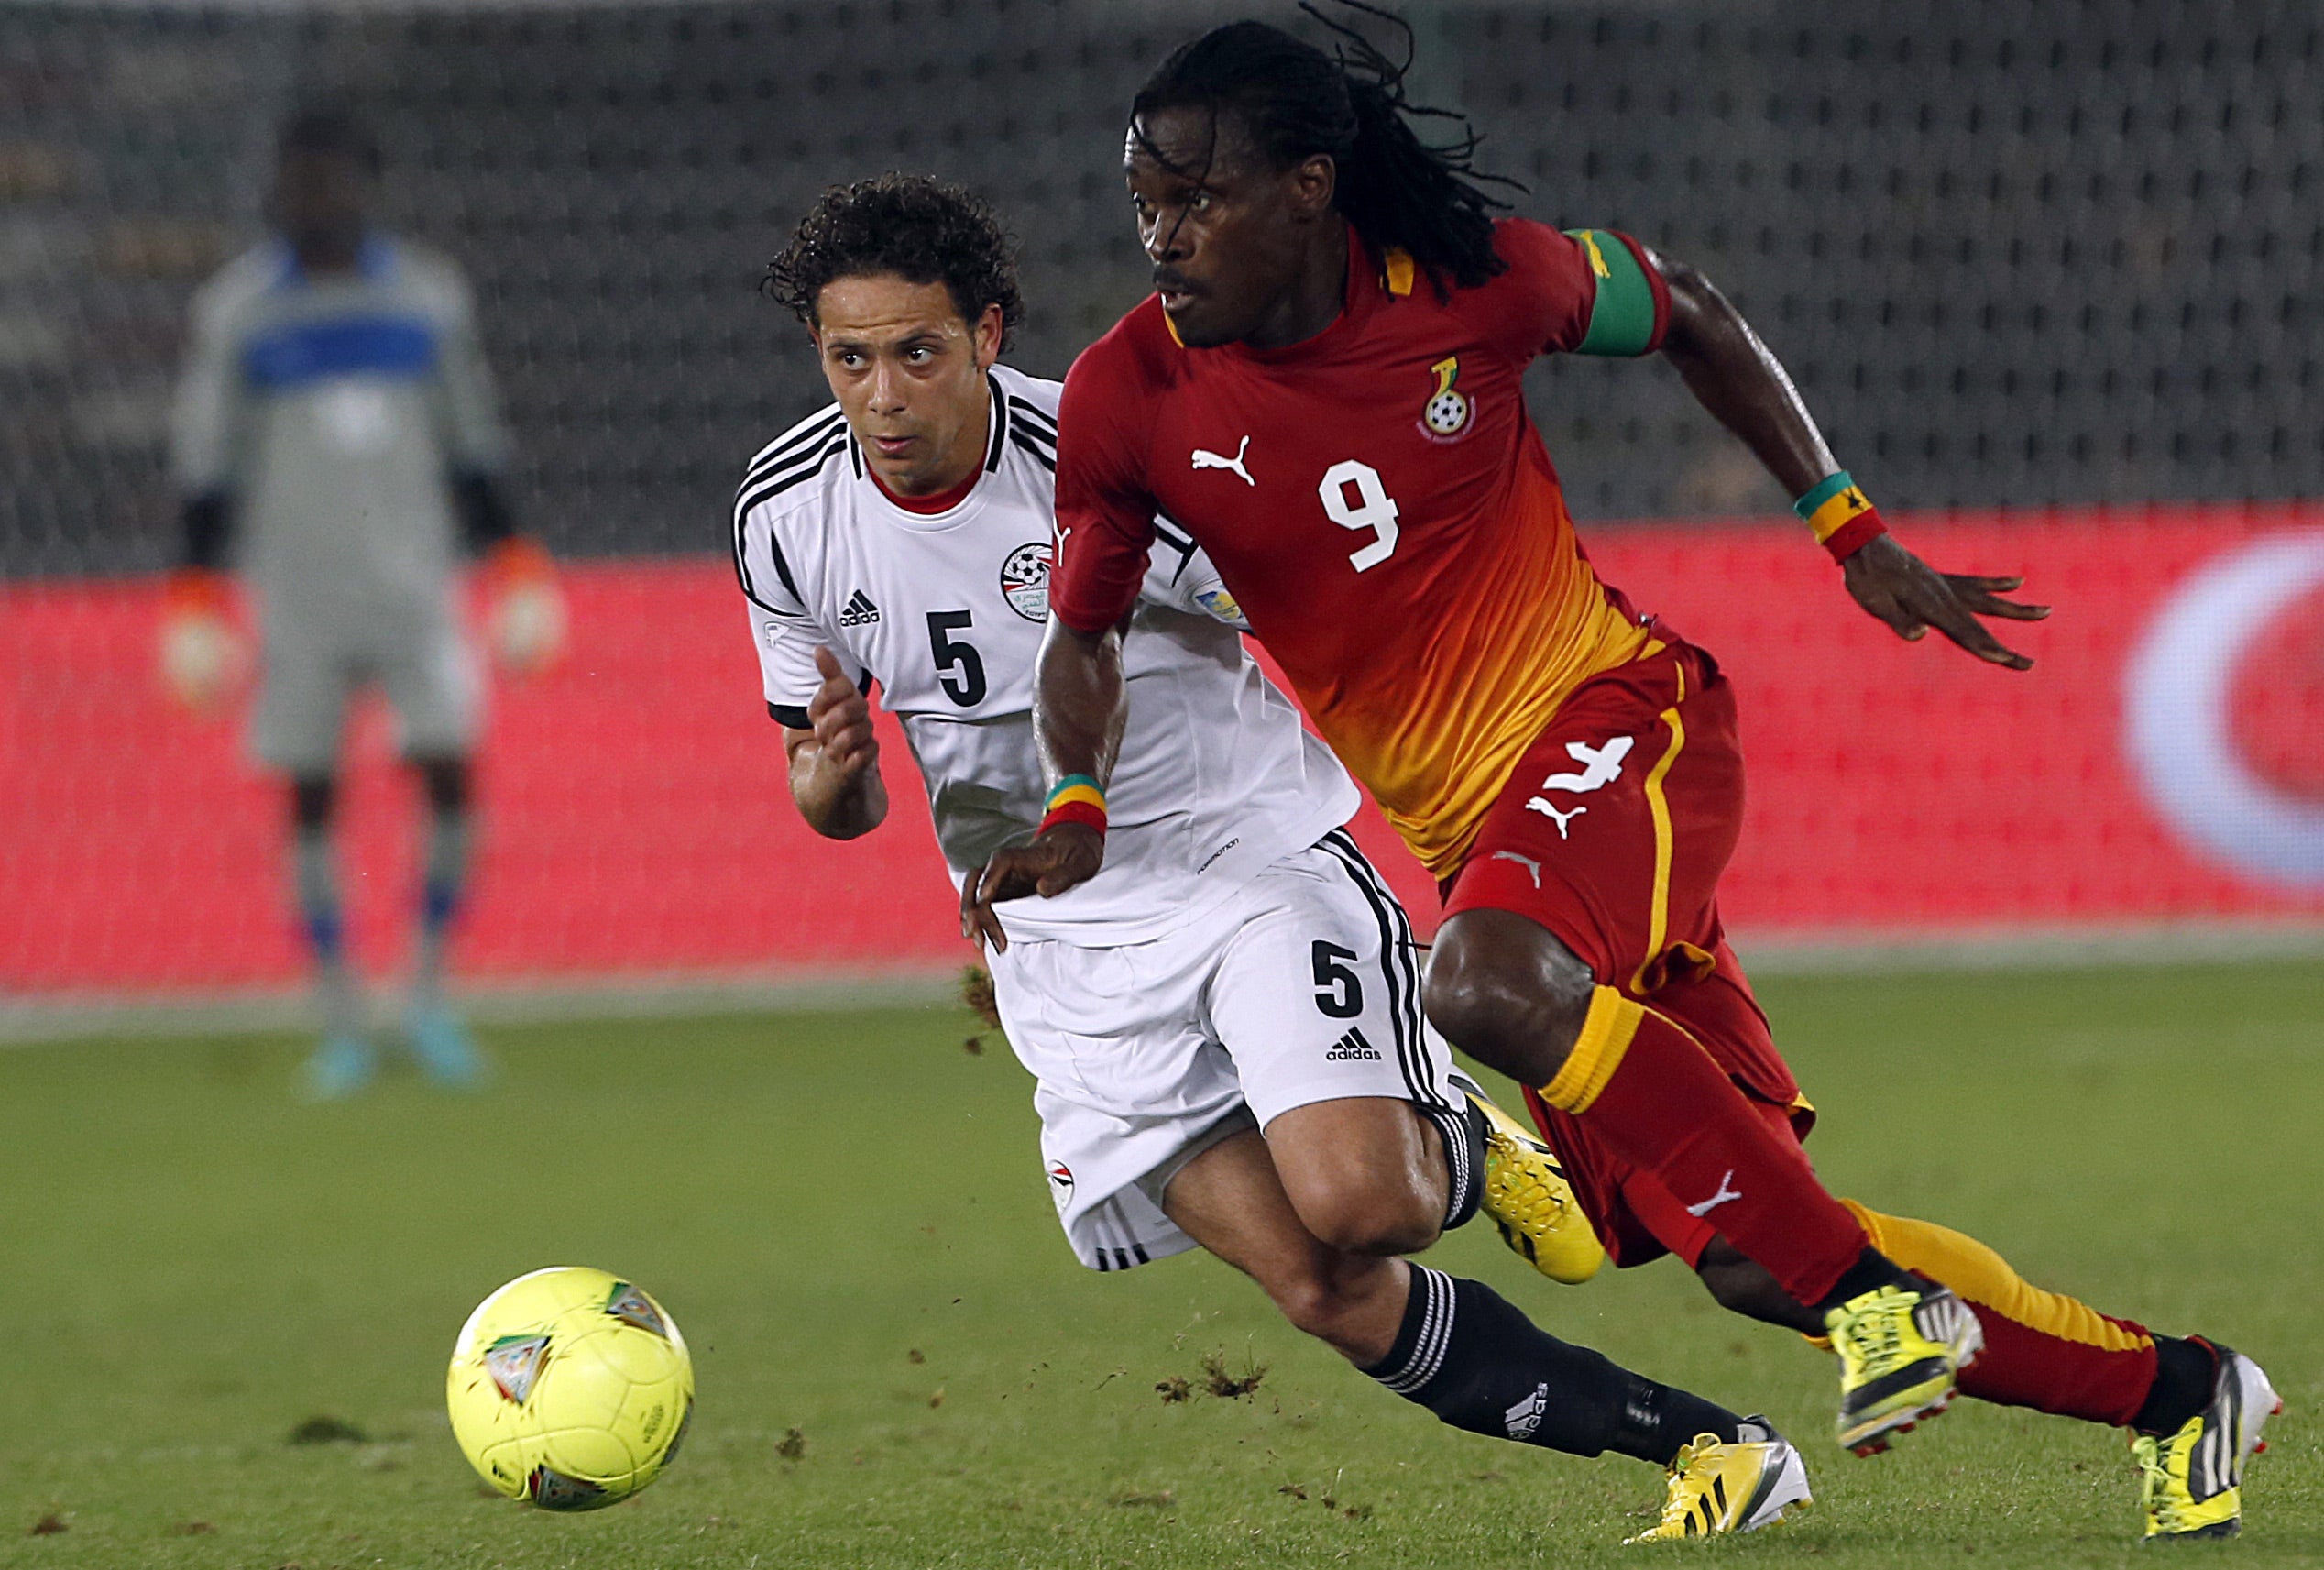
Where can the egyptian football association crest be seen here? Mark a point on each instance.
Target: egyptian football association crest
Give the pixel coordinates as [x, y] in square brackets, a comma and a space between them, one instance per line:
[1024, 580]
[1445, 416]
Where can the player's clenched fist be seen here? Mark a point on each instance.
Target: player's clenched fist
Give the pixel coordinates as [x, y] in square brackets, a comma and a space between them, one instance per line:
[841, 718]
[835, 772]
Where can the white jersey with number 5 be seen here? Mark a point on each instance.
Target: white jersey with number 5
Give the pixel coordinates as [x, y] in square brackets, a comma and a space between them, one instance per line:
[1217, 778]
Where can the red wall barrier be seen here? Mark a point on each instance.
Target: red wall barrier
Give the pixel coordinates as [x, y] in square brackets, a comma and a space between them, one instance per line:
[636, 821]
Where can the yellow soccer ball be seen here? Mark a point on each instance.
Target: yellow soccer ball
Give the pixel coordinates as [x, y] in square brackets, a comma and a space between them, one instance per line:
[570, 1389]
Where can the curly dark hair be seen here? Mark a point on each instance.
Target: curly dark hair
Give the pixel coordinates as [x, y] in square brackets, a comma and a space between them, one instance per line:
[919, 229]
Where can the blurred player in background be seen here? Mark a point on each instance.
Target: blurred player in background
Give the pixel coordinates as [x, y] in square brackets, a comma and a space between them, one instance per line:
[336, 425]
[1325, 393]
[1224, 1026]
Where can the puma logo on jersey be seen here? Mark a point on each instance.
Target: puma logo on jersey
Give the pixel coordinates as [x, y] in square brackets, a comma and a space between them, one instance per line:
[1532, 866]
[1561, 818]
[1203, 460]
[1600, 766]
[1352, 1048]
[1716, 1199]
[859, 610]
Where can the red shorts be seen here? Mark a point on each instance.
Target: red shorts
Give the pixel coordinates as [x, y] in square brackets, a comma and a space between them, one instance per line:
[1612, 832]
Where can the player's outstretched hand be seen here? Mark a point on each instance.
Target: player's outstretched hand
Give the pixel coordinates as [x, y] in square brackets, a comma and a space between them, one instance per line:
[1912, 597]
[840, 716]
[1055, 860]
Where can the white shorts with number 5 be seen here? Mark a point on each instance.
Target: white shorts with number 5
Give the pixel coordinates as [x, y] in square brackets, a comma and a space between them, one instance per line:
[1302, 986]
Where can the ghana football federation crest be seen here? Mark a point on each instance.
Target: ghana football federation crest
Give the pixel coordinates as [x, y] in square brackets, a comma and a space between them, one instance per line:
[1024, 580]
[1445, 416]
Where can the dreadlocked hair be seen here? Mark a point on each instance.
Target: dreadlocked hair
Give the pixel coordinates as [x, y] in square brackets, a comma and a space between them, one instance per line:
[921, 230]
[1292, 101]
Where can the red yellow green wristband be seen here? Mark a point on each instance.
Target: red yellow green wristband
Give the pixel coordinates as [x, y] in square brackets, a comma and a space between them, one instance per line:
[1842, 517]
[1078, 798]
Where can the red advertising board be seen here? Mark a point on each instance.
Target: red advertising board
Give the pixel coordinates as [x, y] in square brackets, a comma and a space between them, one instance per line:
[2164, 762]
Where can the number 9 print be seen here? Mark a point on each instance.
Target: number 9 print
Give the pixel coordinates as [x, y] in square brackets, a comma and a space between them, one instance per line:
[1373, 509]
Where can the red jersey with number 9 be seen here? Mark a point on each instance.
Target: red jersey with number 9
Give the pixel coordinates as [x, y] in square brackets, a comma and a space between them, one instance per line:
[1378, 503]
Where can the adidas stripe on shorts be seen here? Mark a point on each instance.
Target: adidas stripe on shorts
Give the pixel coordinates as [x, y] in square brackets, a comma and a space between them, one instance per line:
[1301, 986]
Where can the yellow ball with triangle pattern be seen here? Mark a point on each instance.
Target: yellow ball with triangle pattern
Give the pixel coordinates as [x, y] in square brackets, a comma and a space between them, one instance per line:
[570, 1389]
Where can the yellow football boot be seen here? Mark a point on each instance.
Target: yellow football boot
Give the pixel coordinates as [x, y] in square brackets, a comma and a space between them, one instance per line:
[1717, 1487]
[2190, 1483]
[1901, 1350]
[1528, 1199]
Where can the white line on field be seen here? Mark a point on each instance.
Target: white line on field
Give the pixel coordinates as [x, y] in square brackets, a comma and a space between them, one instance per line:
[37, 1018]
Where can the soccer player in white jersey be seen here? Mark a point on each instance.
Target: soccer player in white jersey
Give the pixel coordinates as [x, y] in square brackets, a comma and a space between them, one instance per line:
[335, 418]
[1222, 1025]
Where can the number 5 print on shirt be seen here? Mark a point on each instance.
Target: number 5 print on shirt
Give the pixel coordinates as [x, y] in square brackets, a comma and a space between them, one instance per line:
[960, 670]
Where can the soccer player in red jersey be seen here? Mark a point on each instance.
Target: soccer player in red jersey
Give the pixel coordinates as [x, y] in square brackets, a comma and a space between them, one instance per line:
[1324, 392]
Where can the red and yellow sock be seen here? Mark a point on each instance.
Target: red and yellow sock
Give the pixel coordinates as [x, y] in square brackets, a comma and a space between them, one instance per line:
[2043, 1349]
[1663, 1103]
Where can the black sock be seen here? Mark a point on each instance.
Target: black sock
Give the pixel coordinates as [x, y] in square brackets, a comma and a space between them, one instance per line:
[1460, 1130]
[1658, 1419]
[2185, 1373]
[1871, 1271]
[1465, 1354]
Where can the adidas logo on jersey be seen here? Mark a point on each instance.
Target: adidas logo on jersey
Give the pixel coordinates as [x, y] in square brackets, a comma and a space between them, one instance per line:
[1350, 1048]
[858, 610]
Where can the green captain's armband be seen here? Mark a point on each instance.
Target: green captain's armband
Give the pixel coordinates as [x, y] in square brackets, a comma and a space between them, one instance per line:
[1627, 317]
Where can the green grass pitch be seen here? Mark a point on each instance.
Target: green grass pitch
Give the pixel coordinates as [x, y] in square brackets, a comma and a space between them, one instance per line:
[900, 1364]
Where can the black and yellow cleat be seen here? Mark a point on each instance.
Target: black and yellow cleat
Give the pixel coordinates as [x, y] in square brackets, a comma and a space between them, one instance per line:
[1901, 1349]
[1719, 1488]
[1530, 1201]
[2191, 1482]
